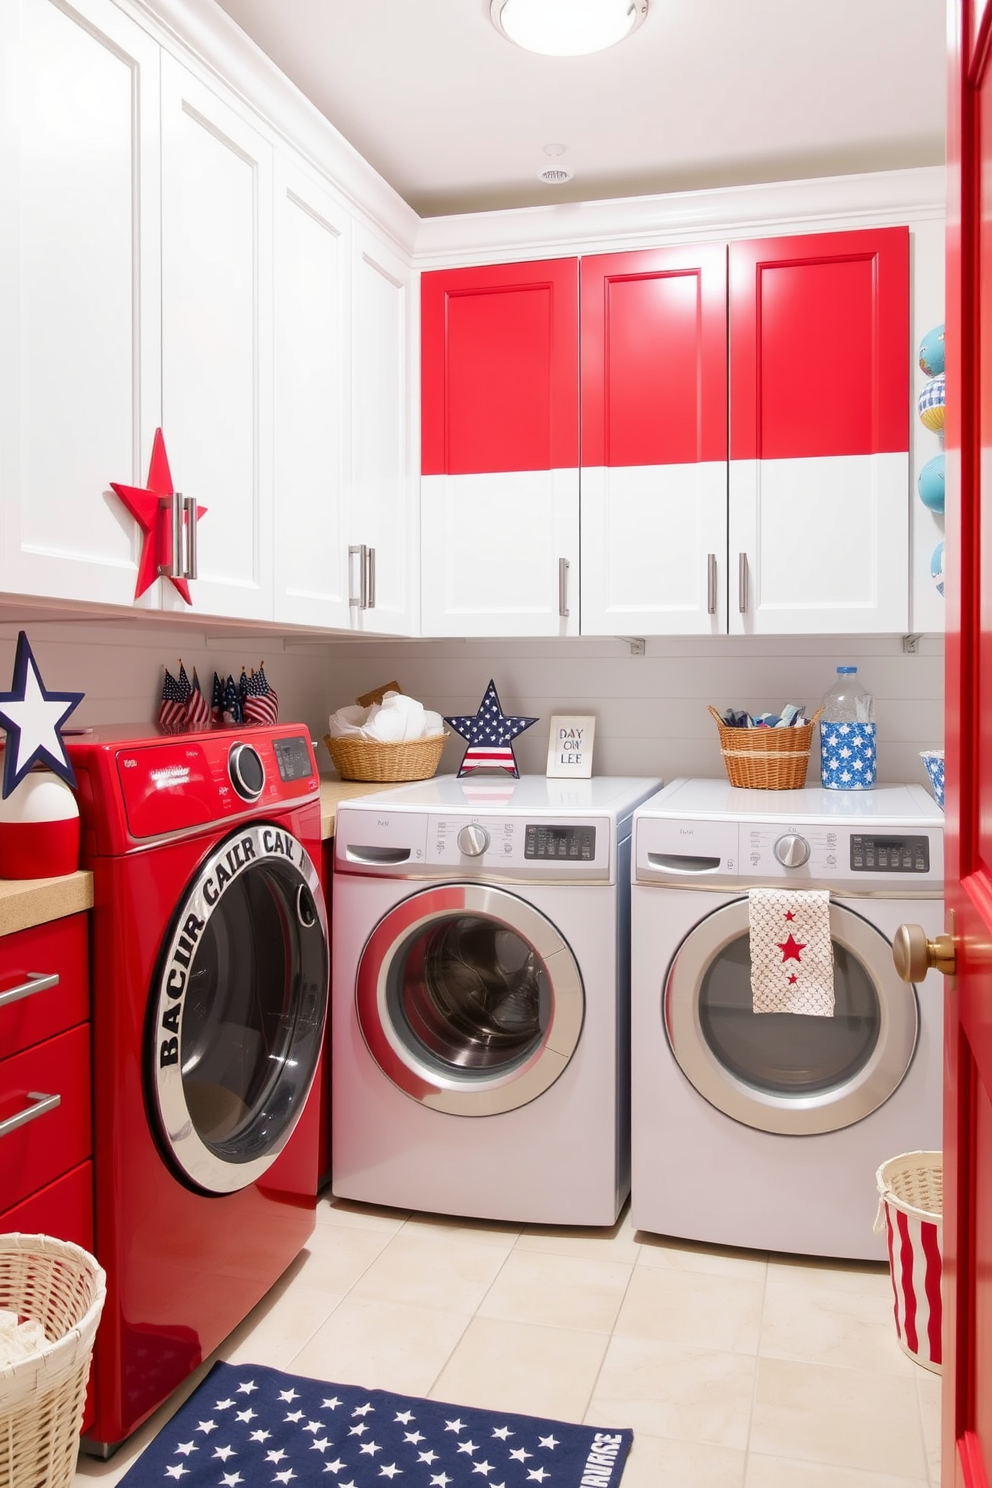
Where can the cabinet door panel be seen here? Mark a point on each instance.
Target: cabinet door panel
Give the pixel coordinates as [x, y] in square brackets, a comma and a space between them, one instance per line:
[312, 243]
[217, 339]
[493, 553]
[382, 517]
[58, 948]
[819, 407]
[79, 294]
[33, 1154]
[64, 1209]
[654, 441]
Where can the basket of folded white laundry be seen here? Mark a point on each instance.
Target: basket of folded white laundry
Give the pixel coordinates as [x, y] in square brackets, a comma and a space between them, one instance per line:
[385, 736]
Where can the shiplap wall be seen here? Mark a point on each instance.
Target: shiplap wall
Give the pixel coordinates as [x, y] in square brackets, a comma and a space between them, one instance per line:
[650, 710]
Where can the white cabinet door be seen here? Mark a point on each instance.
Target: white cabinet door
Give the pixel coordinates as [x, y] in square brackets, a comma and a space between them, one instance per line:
[382, 519]
[310, 538]
[79, 294]
[500, 553]
[217, 340]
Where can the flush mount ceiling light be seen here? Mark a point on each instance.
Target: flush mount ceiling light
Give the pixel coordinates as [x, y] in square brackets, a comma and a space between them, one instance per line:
[567, 28]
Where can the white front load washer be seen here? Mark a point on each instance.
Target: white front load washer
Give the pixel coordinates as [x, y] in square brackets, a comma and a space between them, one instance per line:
[765, 1130]
[480, 998]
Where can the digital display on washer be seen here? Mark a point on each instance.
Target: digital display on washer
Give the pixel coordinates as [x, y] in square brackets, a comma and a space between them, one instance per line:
[293, 758]
[890, 854]
[567, 844]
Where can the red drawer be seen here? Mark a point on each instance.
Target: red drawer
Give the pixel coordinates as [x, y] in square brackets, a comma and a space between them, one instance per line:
[58, 948]
[63, 1209]
[34, 1153]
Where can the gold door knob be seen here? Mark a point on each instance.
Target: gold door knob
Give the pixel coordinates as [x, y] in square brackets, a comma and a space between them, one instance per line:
[915, 955]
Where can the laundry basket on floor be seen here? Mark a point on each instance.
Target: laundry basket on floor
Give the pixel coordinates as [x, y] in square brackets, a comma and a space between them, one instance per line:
[42, 1396]
[911, 1208]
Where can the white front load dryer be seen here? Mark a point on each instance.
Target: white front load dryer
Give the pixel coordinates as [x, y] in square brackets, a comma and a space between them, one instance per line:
[480, 998]
[765, 1130]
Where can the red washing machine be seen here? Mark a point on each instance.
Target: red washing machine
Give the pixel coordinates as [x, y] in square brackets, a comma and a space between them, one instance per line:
[210, 978]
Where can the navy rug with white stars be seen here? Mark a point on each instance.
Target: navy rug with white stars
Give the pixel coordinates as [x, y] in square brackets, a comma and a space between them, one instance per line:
[246, 1426]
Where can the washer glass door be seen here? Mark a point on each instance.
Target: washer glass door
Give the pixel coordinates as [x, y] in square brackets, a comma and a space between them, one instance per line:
[239, 1005]
[789, 1072]
[469, 999]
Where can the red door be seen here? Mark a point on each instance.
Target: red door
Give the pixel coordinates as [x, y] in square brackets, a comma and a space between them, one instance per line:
[967, 1433]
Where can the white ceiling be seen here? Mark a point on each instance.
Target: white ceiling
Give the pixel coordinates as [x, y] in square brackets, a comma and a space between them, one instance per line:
[706, 93]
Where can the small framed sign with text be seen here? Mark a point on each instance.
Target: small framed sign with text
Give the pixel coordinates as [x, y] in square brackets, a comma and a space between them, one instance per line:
[570, 746]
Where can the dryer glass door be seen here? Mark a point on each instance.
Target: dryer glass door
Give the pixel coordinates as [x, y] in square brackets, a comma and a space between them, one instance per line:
[469, 999]
[790, 1072]
[238, 1007]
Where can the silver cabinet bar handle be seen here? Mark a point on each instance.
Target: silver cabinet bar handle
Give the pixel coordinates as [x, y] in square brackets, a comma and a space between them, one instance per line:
[370, 585]
[742, 583]
[38, 981]
[563, 566]
[189, 506]
[359, 551]
[711, 583]
[39, 1105]
[174, 570]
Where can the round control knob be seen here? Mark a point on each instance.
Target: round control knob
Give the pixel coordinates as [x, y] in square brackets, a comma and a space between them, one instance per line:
[246, 772]
[792, 851]
[473, 841]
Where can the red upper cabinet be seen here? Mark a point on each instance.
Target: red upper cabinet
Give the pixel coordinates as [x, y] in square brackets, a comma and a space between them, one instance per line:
[819, 433]
[500, 449]
[654, 356]
[654, 441]
[820, 345]
[499, 368]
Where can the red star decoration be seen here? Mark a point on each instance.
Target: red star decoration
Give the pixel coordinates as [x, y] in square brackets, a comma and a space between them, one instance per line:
[149, 506]
[790, 948]
[789, 915]
[793, 978]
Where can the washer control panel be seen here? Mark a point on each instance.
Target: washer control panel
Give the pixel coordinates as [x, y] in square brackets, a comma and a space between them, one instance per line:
[889, 853]
[473, 845]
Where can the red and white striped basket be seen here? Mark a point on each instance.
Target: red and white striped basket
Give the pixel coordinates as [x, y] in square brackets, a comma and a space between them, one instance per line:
[910, 1210]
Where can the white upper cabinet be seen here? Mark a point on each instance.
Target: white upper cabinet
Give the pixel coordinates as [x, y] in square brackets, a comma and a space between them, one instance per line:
[382, 499]
[217, 340]
[311, 436]
[79, 294]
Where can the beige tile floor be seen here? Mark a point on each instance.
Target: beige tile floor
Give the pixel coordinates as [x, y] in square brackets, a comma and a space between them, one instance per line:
[735, 1369]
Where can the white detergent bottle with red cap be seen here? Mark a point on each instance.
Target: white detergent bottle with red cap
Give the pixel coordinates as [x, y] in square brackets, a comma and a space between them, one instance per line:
[847, 734]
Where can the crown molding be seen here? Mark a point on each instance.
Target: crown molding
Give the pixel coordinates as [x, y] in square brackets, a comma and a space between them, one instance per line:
[201, 33]
[818, 204]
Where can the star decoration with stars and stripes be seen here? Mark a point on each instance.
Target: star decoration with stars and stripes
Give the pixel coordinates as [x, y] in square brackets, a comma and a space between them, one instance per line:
[150, 507]
[33, 718]
[409, 1443]
[489, 732]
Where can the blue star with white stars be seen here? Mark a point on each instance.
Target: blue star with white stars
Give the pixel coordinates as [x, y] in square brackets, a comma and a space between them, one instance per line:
[32, 717]
[489, 732]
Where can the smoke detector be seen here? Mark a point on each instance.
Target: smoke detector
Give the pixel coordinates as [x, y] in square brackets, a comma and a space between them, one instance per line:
[567, 28]
[554, 175]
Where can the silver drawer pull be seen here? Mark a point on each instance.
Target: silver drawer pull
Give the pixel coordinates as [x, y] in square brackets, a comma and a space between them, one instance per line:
[563, 587]
[742, 583]
[39, 1105]
[38, 981]
[711, 583]
[189, 507]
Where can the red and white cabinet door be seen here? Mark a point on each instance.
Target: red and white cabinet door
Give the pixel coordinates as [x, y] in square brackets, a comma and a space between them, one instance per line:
[499, 454]
[654, 442]
[819, 433]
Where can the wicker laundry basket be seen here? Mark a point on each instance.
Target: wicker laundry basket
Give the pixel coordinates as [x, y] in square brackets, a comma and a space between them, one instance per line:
[766, 758]
[367, 759]
[42, 1397]
[911, 1213]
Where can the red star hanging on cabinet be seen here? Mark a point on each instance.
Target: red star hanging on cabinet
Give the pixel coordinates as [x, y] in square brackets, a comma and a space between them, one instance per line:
[150, 507]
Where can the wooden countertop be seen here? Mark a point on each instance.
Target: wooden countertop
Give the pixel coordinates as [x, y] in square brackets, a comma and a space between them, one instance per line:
[33, 901]
[332, 791]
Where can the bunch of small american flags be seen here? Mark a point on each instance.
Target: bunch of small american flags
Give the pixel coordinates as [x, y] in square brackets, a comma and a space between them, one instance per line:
[184, 707]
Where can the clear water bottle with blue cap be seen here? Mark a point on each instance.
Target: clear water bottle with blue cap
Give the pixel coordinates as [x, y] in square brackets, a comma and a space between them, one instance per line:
[847, 734]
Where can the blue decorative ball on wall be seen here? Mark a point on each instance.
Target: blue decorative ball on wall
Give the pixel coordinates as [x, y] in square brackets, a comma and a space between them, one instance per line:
[937, 567]
[930, 484]
[932, 352]
[931, 405]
